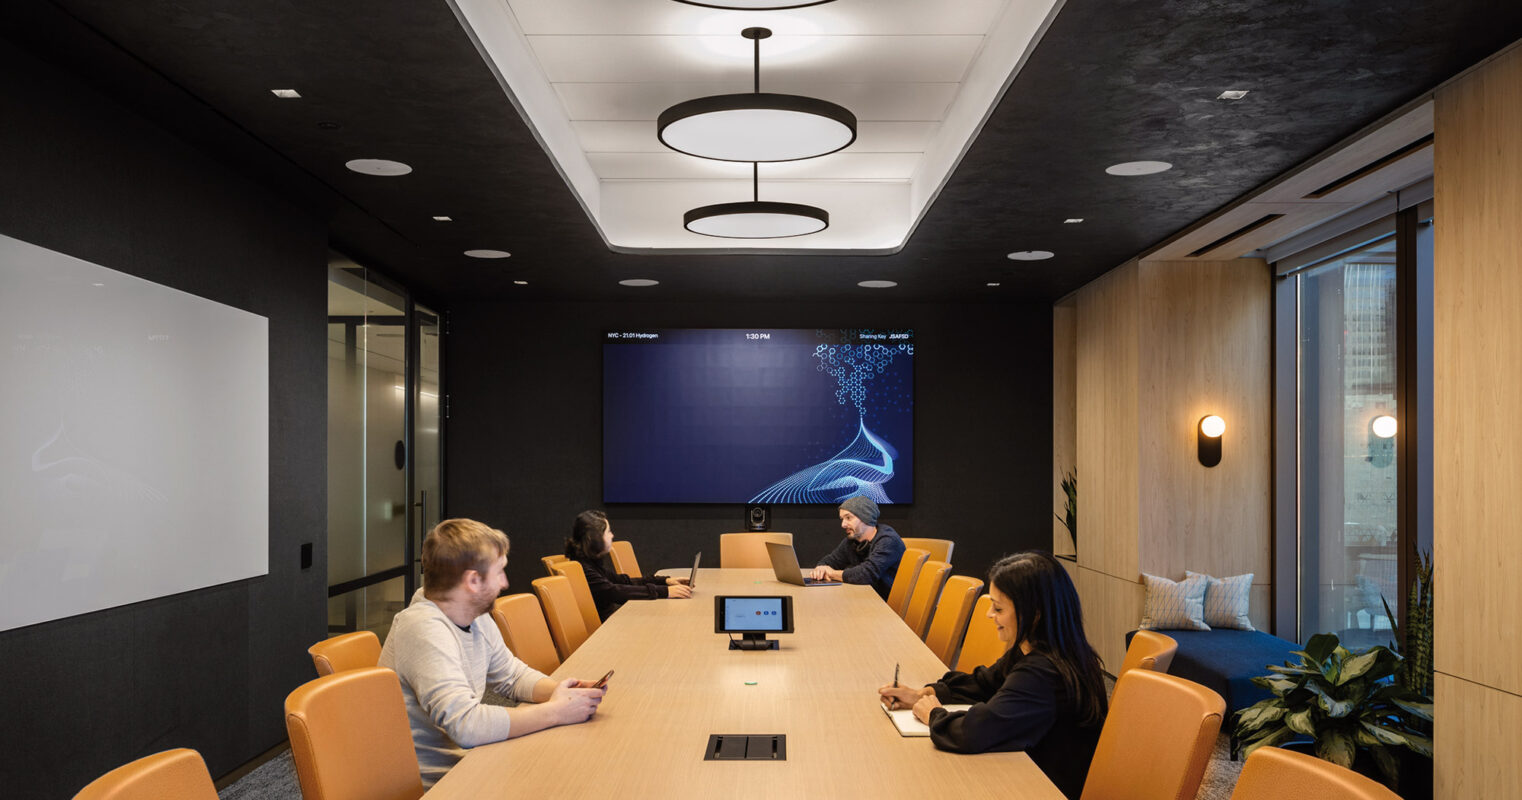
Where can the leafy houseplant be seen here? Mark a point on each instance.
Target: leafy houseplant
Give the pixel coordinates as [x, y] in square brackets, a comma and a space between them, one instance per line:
[1070, 488]
[1343, 700]
[1415, 636]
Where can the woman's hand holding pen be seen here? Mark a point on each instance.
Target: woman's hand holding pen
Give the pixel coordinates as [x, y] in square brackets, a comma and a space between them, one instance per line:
[903, 696]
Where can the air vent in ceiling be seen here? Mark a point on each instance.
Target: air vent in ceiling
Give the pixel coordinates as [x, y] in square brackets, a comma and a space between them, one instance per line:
[1242, 231]
[1371, 167]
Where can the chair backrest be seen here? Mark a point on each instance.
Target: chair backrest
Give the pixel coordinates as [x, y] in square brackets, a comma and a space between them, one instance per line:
[521, 621]
[951, 615]
[572, 571]
[982, 645]
[178, 774]
[348, 651]
[1271, 772]
[350, 737]
[939, 549]
[1149, 650]
[748, 550]
[561, 613]
[1156, 740]
[624, 560]
[549, 563]
[903, 580]
[927, 590]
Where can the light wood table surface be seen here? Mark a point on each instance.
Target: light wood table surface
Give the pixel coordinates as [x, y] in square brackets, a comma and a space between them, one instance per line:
[677, 682]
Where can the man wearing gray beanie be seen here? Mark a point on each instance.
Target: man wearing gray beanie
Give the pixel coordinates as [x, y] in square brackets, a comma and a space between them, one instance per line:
[870, 552]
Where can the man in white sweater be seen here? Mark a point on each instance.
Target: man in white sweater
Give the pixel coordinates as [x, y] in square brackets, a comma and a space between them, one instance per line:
[446, 650]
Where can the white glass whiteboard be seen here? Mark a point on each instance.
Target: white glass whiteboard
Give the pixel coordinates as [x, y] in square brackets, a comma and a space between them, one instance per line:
[134, 439]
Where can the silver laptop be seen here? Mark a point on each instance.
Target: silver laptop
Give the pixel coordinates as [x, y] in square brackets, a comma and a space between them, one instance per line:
[785, 566]
[692, 577]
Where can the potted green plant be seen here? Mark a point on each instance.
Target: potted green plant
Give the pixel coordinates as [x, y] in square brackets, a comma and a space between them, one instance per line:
[1347, 703]
[1070, 488]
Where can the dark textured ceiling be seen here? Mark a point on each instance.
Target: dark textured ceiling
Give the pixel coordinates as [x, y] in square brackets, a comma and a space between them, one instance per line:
[1110, 82]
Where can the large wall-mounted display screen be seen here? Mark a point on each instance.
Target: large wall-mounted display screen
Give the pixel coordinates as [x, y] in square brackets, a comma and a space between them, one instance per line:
[758, 416]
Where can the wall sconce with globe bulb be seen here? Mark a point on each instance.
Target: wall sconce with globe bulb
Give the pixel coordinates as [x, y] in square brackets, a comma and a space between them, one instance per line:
[1211, 428]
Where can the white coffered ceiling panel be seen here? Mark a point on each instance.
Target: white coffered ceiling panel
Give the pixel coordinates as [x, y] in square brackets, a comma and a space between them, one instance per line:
[645, 17]
[677, 166]
[883, 102]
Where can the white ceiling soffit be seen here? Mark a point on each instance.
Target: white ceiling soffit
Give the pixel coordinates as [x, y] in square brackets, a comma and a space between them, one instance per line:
[591, 76]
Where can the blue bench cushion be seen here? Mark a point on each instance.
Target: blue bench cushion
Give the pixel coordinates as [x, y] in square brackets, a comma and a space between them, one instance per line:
[1227, 661]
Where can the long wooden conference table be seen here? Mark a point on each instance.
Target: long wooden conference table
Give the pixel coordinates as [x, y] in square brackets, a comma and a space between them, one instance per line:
[677, 682]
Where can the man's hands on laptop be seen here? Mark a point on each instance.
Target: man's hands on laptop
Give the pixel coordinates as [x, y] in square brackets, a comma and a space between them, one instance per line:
[823, 573]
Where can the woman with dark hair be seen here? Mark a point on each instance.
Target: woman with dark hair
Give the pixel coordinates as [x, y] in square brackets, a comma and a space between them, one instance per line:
[591, 539]
[1045, 695]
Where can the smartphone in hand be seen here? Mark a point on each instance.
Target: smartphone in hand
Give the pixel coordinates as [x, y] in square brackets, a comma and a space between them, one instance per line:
[603, 681]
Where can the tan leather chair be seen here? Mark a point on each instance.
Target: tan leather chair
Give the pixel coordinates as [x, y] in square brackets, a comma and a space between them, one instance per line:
[572, 571]
[927, 590]
[350, 738]
[178, 774]
[561, 613]
[348, 651]
[549, 563]
[1271, 773]
[939, 549]
[521, 621]
[748, 550]
[624, 560]
[1156, 740]
[1149, 650]
[981, 646]
[903, 580]
[951, 615]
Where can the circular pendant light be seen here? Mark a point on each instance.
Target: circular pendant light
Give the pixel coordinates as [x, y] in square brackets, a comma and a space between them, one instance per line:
[756, 219]
[756, 126]
[756, 5]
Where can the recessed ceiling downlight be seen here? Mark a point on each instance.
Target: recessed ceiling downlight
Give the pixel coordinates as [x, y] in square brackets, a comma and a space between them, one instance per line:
[1030, 255]
[638, 282]
[520, 283]
[378, 166]
[1139, 168]
[488, 253]
[877, 284]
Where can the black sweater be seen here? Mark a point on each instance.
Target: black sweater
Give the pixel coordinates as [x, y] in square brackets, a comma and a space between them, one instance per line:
[1021, 703]
[874, 563]
[610, 589]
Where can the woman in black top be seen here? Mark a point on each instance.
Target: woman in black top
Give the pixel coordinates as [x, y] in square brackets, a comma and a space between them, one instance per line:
[1045, 695]
[591, 539]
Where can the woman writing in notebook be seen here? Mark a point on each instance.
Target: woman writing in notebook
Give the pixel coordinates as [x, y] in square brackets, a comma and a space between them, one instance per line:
[1045, 695]
[591, 539]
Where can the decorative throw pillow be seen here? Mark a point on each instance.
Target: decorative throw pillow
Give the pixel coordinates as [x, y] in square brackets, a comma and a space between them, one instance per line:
[1226, 600]
[1177, 605]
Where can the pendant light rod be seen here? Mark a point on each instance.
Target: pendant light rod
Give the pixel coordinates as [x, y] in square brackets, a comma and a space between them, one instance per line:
[756, 35]
[755, 181]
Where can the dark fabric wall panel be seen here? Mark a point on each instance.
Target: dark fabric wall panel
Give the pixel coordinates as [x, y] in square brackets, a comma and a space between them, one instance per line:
[207, 669]
[524, 438]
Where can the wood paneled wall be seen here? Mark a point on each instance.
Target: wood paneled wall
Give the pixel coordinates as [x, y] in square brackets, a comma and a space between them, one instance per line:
[1159, 345]
[1477, 422]
[1064, 412]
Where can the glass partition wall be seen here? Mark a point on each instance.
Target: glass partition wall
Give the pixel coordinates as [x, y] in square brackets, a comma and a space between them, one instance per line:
[384, 426]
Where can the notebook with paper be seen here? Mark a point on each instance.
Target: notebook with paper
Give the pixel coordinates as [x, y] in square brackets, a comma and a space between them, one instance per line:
[903, 719]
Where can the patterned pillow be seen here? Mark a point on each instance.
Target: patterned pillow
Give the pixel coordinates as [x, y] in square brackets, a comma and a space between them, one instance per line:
[1226, 600]
[1177, 605]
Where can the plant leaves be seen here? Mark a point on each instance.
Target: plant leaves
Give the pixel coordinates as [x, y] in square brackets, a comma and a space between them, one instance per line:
[1358, 665]
[1274, 739]
[1421, 709]
[1418, 743]
[1386, 735]
[1301, 722]
[1389, 768]
[1258, 715]
[1336, 747]
[1320, 647]
[1334, 708]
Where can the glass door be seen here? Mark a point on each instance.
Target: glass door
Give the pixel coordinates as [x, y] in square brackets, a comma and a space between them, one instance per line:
[428, 463]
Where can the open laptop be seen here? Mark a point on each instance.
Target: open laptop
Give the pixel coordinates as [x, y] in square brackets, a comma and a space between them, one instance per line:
[692, 577]
[785, 566]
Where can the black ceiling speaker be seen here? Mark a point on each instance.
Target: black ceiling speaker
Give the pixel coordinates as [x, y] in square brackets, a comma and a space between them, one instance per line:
[758, 518]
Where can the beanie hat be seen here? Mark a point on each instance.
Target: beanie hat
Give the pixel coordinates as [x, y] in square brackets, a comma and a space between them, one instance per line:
[863, 507]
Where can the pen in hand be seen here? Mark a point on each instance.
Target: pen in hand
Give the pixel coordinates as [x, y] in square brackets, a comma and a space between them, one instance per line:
[895, 676]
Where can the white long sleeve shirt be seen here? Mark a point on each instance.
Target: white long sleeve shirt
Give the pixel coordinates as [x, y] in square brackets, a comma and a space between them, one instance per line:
[444, 673]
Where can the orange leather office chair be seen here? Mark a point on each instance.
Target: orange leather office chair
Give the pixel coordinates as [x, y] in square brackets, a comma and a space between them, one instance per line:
[903, 580]
[981, 646]
[350, 738]
[927, 590]
[748, 550]
[1149, 650]
[561, 613]
[178, 774]
[1156, 740]
[939, 549]
[624, 560]
[572, 571]
[1271, 773]
[549, 563]
[951, 615]
[521, 621]
[348, 651]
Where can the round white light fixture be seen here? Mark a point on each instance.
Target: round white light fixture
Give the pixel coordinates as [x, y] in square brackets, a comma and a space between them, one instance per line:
[756, 218]
[993, 283]
[1139, 168]
[488, 253]
[378, 166]
[1384, 426]
[638, 282]
[1213, 426]
[1030, 255]
[757, 126]
[756, 5]
[877, 284]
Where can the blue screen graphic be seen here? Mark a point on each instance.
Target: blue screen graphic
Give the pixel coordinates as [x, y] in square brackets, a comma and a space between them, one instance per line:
[758, 416]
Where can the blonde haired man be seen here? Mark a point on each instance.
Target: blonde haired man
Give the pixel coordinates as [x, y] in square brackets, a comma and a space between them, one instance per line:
[447, 651]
